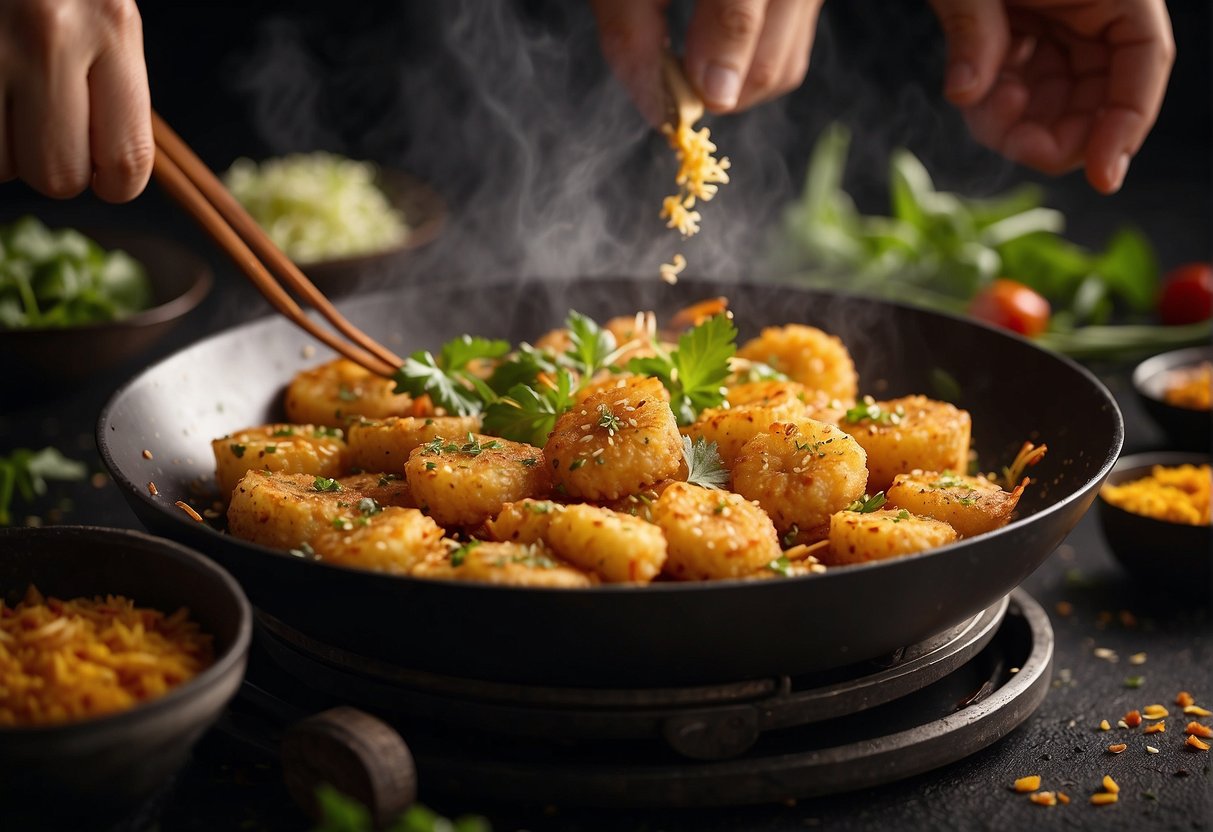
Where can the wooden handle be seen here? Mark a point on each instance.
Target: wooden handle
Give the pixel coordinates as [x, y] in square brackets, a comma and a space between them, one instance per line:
[357, 754]
[685, 105]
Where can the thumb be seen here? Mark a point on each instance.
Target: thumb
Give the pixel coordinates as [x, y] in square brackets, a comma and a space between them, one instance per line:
[978, 38]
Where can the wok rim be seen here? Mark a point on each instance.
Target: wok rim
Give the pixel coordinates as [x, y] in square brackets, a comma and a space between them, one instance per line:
[658, 589]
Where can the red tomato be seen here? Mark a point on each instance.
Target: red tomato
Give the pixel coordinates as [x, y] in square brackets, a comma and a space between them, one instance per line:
[1187, 296]
[1012, 305]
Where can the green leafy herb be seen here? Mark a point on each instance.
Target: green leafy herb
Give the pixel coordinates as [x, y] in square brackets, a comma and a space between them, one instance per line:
[430, 466]
[901, 515]
[26, 472]
[384, 479]
[576, 463]
[238, 450]
[866, 504]
[695, 371]
[704, 465]
[529, 462]
[950, 480]
[528, 414]
[780, 565]
[342, 523]
[591, 344]
[607, 420]
[1134, 681]
[284, 432]
[325, 484]
[459, 555]
[322, 432]
[869, 410]
[271, 449]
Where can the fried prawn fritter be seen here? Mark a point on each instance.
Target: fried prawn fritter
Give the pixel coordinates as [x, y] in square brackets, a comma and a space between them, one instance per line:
[525, 521]
[385, 489]
[877, 535]
[340, 390]
[616, 442]
[713, 534]
[291, 449]
[618, 547]
[511, 564]
[756, 407]
[807, 355]
[465, 482]
[387, 539]
[284, 511]
[385, 445]
[971, 505]
[801, 473]
[900, 435]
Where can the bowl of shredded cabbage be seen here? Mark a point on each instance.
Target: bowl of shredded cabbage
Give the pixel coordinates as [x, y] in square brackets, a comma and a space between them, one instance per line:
[339, 219]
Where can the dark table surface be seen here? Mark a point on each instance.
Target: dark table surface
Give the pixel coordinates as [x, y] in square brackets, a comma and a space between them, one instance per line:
[1092, 603]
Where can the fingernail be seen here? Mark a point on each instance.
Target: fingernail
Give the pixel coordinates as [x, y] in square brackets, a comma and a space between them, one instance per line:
[961, 76]
[1116, 173]
[721, 85]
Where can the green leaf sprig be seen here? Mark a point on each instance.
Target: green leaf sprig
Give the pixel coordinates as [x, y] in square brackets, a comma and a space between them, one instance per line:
[695, 371]
[24, 472]
[704, 465]
[868, 504]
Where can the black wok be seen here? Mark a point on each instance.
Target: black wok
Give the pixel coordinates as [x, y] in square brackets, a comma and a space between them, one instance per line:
[664, 634]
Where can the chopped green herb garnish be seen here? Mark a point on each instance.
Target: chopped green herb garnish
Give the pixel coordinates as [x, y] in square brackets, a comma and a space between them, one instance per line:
[780, 565]
[342, 523]
[607, 419]
[949, 480]
[529, 462]
[901, 515]
[271, 449]
[368, 507]
[325, 484]
[1134, 681]
[459, 555]
[384, 479]
[539, 507]
[576, 463]
[720, 507]
[866, 504]
[869, 410]
[430, 466]
[347, 395]
[332, 433]
[284, 432]
[789, 539]
[704, 465]
[238, 450]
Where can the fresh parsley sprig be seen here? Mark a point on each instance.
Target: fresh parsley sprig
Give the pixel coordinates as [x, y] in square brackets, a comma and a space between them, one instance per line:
[704, 465]
[448, 379]
[26, 472]
[695, 371]
[528, 414]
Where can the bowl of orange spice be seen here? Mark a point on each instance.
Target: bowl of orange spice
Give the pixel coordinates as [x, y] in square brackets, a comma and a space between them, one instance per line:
[1155, 513]
[117, 651]
[1176, 389]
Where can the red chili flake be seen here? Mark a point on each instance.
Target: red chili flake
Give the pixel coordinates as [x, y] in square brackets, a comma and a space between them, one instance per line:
[1133, 719]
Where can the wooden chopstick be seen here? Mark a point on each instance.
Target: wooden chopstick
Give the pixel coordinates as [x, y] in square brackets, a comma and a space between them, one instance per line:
[191, 183]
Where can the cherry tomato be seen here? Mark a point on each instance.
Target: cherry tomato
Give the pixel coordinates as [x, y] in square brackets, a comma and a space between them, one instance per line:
[1187, 296]
[1011, 305]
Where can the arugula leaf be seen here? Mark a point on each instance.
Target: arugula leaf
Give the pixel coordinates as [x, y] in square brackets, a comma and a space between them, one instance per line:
[528, 414]
[695, 371]
[591, 344]
[26, 472]
[704, 465]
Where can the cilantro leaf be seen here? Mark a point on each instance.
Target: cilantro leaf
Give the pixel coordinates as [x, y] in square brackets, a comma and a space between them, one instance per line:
[528, 414]
[704, 465]
[695, 371]
[523, 368]
[591, 344]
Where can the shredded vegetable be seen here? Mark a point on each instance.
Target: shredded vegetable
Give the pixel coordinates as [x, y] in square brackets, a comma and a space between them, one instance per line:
[318, 206]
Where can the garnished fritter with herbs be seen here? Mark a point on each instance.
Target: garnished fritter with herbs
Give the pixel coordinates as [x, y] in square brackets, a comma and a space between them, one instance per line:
[626, 452]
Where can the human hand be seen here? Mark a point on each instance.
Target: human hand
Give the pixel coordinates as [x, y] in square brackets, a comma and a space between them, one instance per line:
[1058, 85]
[78, 108]
[738, 52]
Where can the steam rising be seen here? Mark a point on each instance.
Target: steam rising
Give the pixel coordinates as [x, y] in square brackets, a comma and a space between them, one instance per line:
[547, 168]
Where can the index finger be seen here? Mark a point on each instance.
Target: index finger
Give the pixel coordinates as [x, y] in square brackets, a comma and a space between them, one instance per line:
[633, 37]
[1143, 50]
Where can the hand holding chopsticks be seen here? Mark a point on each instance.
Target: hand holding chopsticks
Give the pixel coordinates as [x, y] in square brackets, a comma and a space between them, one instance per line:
[191, 183]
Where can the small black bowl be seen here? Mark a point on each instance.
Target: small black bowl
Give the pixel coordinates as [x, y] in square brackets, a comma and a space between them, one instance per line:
[1171, 555]
[62, 356]
[1188, 429]
[103, 768]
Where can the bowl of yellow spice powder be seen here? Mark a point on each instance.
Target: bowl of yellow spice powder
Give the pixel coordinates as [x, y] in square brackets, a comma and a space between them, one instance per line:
[1154, 509]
